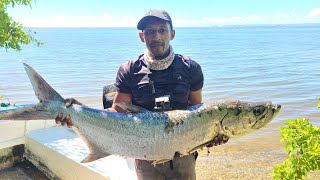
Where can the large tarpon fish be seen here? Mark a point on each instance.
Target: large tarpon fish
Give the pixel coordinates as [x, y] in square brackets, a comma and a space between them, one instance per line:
[147, 135]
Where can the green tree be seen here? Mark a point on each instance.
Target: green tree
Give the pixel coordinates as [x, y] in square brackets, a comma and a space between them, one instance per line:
[12, 33]
[3, 103]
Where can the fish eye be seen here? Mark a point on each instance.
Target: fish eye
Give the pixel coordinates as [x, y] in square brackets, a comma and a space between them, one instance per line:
[257, 111]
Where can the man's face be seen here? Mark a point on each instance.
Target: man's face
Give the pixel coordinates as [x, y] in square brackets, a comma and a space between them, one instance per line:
[157, 35]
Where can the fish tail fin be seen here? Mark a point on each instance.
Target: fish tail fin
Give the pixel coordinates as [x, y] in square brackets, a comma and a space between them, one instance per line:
[42, 89]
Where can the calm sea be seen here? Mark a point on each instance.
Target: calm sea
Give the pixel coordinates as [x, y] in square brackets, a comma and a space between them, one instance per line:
[266, 63]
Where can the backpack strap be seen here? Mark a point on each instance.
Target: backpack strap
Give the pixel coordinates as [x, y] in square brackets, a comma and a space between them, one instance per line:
[109, 91]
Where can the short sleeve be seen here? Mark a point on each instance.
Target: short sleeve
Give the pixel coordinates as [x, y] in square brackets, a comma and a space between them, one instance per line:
[196, 76]
[123, 79]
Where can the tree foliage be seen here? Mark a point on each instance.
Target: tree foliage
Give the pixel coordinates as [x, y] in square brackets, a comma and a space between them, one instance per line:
[12, 33]
[303, 148]
[3, 103]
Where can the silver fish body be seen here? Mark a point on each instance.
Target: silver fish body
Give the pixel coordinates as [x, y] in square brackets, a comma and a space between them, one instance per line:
[154, 135]
[159, 135]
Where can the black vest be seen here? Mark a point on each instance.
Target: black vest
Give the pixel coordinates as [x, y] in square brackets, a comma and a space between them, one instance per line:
[173, 81]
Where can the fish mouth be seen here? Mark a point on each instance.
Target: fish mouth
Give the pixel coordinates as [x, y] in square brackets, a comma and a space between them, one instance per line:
[276, 109]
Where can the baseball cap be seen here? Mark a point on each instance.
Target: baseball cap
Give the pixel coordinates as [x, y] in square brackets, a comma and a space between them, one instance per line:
[162, 14]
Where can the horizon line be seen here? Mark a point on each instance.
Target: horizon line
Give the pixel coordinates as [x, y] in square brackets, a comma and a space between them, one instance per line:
[213, 26]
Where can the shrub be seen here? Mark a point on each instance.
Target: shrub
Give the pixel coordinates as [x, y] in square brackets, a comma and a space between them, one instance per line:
[303, 148]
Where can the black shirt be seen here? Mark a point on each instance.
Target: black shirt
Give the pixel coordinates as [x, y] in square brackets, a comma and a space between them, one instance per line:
[178, 80]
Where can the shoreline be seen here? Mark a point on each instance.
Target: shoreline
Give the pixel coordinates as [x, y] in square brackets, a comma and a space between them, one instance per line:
[250, 157]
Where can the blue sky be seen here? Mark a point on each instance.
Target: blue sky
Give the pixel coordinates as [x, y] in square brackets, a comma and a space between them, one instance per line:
[195, 13]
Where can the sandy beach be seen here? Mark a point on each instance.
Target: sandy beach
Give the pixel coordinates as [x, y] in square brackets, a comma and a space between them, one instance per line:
[250, 157]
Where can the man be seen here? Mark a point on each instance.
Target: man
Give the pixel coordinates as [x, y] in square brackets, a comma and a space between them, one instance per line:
[158, 80]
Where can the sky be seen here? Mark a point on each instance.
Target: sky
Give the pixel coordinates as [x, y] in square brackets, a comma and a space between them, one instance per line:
[184, 13]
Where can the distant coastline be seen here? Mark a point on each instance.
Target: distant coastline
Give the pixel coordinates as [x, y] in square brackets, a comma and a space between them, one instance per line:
[214, 26]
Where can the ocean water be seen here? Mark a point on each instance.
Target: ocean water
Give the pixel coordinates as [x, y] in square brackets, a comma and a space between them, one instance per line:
[256, 63]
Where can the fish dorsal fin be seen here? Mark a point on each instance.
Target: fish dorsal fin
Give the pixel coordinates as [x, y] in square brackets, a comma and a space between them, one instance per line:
[42, 89]
[94, 153]
[130, 108]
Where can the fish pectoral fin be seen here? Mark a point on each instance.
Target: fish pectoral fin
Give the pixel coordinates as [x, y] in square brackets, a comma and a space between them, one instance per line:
[95, 156]
[197, 148]
[201, 146]
[130, 108]
[219, 139]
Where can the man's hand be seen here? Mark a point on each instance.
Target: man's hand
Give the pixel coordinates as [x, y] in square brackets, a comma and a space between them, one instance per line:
[70, 101]
[66, 120]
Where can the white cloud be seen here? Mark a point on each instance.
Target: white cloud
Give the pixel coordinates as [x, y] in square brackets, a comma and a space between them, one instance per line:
[285, 16]
[61, 20]
[215, 20]
[314, 13]
[280, 16]
[293, 11]
[106, 20]
[253, 18]
[222, 20]
[210, 21]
